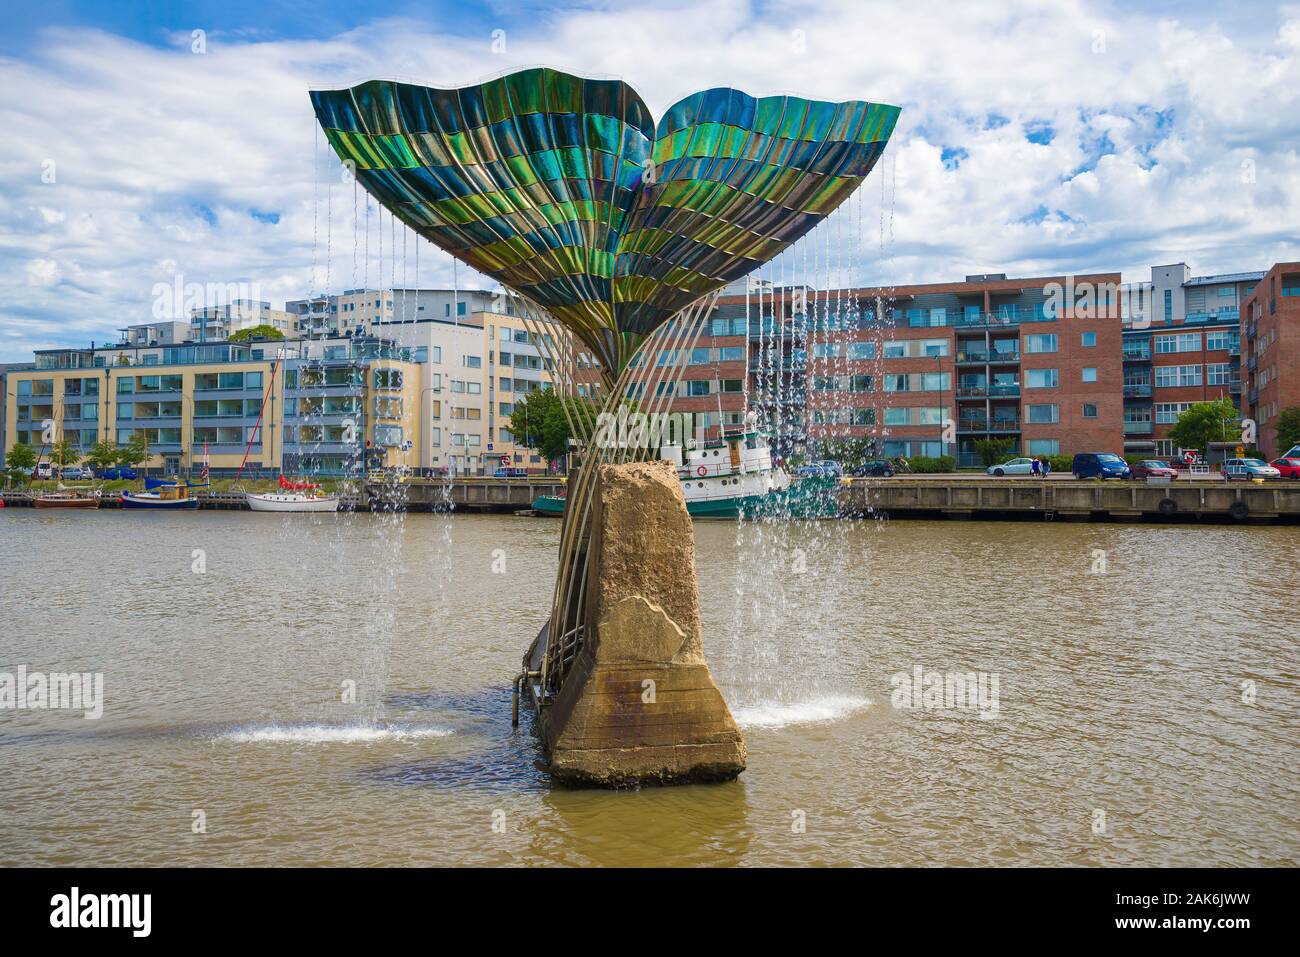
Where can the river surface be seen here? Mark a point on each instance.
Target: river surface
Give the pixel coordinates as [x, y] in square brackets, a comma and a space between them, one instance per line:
[334, 690]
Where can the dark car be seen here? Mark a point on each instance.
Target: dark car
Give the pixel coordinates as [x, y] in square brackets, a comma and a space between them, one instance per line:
[116, 472]
[1153, 468]
[873, 468]
[1101, 465]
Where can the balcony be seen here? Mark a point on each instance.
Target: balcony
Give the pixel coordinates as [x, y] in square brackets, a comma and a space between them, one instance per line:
[969, 356]
[1139, 428]
[1234, 386]
[1141, 353]
[1253, 397]
[1137, 390]
[1250, 330]
[1252, 363]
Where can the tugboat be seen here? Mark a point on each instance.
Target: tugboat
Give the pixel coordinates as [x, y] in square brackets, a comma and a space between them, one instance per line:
[733, 478]
[162, 494]
[293, 497]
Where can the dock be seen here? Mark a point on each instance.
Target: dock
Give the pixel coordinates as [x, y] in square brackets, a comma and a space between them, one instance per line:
[1183, 500]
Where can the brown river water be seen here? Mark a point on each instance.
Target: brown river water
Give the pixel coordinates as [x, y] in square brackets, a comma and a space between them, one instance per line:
[1141, 697]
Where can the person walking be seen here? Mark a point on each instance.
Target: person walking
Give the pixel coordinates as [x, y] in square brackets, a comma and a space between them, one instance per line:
[1047, 468]
[1035, 468]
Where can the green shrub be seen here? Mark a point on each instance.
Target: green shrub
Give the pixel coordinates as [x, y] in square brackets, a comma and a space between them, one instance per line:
[931, 464]
[1060, 463]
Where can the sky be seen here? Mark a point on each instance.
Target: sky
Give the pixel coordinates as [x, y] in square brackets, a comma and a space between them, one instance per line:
[151, 145]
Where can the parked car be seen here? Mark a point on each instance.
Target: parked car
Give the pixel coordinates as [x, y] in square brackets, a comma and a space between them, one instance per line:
[116, 472]
[43, 471]
[1153, 468]
[1287, 466]
[873, 468]
[1249, 469]
[511, 473]
[75, 473]
[1102, 465]
[1018, 466]
[827, 468]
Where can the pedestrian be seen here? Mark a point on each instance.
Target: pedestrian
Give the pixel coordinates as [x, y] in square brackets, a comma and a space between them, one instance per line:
[1034, 468]
[1047, 468]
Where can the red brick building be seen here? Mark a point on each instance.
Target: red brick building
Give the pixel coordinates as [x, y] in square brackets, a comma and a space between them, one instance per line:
[1270, 329]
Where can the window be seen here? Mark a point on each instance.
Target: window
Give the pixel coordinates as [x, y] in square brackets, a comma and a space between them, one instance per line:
[1089, 375]
[1089, 410]
[1088, 339]
[1169, 305]
[1042, 414]
[699, 387]
[1168, 412]
[1040, 343]
[388, 435]
[896, 416]
[389, 378]
[731, 354]
[860, 383]
[388, 407]
[1218, 373]
[1041, 378]
[1178, 342]
[471, 362]
[1219, 340]
[862, 350]
[124, 384]
[935, 347]
[733, 385]
[1168, 377]
[862, 417]
[1044, 446]
[895, 350]
[700, 357]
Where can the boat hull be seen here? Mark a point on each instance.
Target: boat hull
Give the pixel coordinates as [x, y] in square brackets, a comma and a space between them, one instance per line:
[288, 503]
[145, 500]
[43, 502]
[807, 498]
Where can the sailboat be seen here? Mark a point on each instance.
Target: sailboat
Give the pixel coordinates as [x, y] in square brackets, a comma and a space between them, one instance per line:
[69, 496]
[293, 497]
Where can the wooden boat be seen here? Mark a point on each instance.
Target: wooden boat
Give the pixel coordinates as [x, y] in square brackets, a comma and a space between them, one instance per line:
[68, 498]
[160, 494]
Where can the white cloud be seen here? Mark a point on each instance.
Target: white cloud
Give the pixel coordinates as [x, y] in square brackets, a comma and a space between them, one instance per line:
[161, 157]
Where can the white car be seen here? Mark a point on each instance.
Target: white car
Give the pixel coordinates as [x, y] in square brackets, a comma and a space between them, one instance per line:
[1249, 469]
[1020, 466]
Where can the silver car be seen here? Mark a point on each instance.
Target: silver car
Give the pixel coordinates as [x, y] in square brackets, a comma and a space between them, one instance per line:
[1020, 466]
[1249, 469]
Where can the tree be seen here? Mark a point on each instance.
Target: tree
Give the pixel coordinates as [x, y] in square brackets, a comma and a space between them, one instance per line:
[20, 461]
[102, 455]
[65, 452]
[256, 332]
[993, 451]
[539, 421]
[135, 451]
[1205, 422]
[1288, 429]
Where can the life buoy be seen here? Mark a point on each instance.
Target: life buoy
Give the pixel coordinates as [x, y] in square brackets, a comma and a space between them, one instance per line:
[702, 471]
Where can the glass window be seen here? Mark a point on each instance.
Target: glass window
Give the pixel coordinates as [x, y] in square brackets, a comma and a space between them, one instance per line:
[392, 379]
[124, 384]
[473, 362]
[1089, 375]
[1041, 343]
[1042, 414]
[1044, 446]
[1089, 410]
[230, 380]
[862, 350]
[1041, 378]
[1088, 339]
[388, 435]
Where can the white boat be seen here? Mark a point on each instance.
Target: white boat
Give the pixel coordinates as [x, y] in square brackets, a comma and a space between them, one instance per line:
[291, 502]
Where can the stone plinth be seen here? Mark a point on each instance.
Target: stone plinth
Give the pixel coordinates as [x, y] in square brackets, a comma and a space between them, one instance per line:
[639, 705]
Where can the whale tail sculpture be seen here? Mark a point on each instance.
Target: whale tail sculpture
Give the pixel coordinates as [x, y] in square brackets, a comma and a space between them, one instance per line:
[619, 232]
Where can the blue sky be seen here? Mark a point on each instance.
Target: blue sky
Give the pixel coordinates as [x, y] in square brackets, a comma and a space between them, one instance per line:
[1037, 136]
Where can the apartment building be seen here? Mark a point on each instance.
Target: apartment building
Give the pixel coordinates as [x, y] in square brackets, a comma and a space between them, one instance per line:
[930, 369]
[218, 322]
[1270, 327]
[1183, 346]
[357, 311]
[227, 405]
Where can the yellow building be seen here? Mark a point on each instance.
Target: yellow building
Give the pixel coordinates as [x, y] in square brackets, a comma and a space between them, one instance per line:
[517, 364]
[328, 407]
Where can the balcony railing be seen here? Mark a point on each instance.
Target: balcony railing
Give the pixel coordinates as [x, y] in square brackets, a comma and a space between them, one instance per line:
[1235, 386]
[1138, 428]
[1138, 390]
[1252, 363]
[1137, 353]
